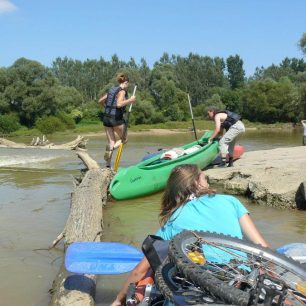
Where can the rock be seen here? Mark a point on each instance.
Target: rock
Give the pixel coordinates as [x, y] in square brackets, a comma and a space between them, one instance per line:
[300, 196]
[274, 177]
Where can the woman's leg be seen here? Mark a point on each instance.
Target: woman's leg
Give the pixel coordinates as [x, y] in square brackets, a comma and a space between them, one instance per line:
[119, 130]
[111, 139]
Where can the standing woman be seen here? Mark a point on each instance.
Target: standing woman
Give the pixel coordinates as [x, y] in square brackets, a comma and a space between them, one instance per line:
[115, 102]
[304, 126]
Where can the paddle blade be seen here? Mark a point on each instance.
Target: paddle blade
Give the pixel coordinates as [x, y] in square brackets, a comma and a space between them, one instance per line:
[296, 251]
[118, 157]
[101, 258]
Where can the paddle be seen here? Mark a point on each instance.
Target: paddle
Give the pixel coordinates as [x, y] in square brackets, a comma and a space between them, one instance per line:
[101, 257]
[296, 251]
[120, 149]
[117, 258]
[194, 129]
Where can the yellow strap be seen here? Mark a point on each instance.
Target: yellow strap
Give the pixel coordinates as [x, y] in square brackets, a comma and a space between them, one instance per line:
[118, 157]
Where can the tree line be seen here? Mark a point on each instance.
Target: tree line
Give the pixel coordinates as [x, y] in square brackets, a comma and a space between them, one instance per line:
[67, 92]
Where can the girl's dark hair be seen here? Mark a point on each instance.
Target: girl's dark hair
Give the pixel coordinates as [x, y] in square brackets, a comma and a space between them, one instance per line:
[182, 183]
[121, 78]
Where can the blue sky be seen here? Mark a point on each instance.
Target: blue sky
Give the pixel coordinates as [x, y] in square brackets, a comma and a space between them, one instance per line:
[261, 32]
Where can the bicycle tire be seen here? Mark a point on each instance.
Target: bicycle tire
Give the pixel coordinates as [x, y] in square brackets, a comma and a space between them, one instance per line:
[165, 287]
[176, 289]
[210, 282]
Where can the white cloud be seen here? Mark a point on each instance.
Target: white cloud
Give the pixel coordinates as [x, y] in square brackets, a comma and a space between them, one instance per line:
[7, 6]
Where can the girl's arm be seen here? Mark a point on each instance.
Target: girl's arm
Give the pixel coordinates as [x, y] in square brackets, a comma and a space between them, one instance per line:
[251, 232]
[121, 102]
[136, 275]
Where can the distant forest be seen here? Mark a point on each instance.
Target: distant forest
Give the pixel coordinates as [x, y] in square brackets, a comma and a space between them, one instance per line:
[66, 93]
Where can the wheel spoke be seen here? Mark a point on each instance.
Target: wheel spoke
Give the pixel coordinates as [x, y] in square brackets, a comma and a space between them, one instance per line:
[236, 270]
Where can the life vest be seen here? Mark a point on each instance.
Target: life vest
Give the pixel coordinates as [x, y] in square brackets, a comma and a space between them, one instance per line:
[230, 120]
[111, 108]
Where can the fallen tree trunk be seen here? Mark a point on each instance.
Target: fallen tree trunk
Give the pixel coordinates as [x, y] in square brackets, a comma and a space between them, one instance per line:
[78, 143]
[84, 223]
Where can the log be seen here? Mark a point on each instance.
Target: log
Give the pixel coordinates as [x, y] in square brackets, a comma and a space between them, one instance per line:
[84, 223]
[78, 143]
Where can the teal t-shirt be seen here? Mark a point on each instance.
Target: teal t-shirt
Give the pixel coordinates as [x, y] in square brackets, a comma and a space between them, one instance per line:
[216, 213]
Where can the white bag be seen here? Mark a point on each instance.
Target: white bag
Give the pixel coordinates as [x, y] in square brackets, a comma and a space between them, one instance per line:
[192, 149]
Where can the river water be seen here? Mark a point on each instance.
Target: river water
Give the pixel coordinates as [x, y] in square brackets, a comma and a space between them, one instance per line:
[35, 188]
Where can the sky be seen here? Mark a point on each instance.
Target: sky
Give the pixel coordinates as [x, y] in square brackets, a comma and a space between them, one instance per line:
[261, 32]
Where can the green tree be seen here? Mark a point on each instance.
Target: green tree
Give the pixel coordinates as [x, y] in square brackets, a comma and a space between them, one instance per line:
[235, 70]
[216, 101]
[231, 99]
[143, 112]
[9, 123]
[67, 98]
[302, 98]
[33, 91]
[30, 90]
[289, 67]
[197, 75]
[302, 43]
[270, 101]
[145, 75]
[4, 101]
[169, 98]
[49, 124]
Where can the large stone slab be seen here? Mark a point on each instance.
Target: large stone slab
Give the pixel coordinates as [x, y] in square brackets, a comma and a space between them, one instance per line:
[274, 177]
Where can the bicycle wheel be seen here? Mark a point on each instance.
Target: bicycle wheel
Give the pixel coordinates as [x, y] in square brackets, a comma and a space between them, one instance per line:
[179, 290]
[233, 269]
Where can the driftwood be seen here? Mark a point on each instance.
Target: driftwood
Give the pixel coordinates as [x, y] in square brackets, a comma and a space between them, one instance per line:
[84, 224]
[78, 143]
[40, 142]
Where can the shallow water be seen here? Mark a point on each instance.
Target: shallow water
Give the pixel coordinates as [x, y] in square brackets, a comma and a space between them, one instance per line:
[35, 188]
[278, 227]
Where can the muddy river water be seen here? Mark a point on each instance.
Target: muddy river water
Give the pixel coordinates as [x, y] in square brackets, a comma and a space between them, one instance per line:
[35, 187]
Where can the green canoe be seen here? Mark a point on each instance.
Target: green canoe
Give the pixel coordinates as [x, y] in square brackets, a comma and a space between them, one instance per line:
[151, 175]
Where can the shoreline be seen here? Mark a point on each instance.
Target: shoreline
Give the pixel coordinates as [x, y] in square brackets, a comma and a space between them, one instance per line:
[159, 131]
[144, 132]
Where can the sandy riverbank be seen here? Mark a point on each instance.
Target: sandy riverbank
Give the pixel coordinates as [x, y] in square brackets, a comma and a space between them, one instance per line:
[156, 131]
[147, 132]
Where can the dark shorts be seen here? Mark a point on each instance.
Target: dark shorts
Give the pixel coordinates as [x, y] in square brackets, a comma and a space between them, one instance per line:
[111, 121]
[304, 140]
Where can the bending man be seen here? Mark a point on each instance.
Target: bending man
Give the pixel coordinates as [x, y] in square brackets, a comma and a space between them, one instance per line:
[231, 123]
